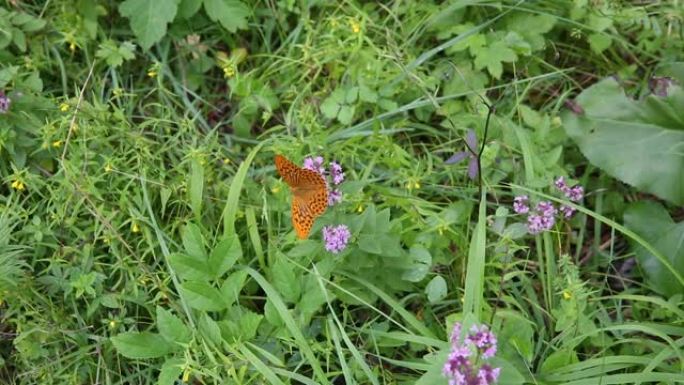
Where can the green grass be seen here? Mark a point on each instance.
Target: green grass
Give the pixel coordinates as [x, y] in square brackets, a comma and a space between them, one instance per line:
[145, 235]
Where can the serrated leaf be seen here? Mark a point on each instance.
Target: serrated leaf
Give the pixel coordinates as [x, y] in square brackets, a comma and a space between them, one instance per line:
[492, 56]
[115, 55]
[599, 42]
[232, 286]
[436, 290]
[209, 329]
[141, 345]
[225, 254]
[190, 268]
[202, 296]
[285, 281]
[170, 371]
[149, 18]
[171, 327]
[231, 14]
[193, 242]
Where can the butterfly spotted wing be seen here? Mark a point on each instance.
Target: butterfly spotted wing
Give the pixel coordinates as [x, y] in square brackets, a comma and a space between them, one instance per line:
[309, 194]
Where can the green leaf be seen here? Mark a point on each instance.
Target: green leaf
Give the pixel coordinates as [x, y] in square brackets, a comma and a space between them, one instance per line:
[232, 14]
[330, 107]
[196, 187]
[115, 55]
[171, 327]
[559, 359]
[149, 18]
[141, 345]
[187, 8]
[491, 57]
[240, 324]
[346, 114]
[202, 296]
[422, 261]
[599, 42]
[652, 222]
[285, 280]
[637, 142]
[232, 286]
[170, 371]
[193, 242]
[436, 290]
[225, 254]
[210, 330]
[190, 268]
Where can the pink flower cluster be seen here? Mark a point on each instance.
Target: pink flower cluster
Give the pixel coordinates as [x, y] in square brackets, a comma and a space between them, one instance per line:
[466, 364]
[336, 238]
[336, 173]
[543, 217]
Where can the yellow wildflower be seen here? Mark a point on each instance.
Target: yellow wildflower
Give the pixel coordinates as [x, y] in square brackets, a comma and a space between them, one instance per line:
[108, 167]
[567, 295]
[416, 185]
[226, 160]
[186, 374]
[72, 47]
[64, 107]
[135, 227]
[17, 184]
[112, 324]
[360, 208]
[152, 73]
[57, 144]
[355, 26]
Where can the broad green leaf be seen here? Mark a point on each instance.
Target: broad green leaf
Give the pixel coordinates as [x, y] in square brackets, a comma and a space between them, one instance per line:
[559, 359]
[330, 107]
[190, 268]
[193, 241]
[240, 324]
[232, 14]
[141, 345]
[436, 290]
[202, 296]
[225, 254]
[170, 371]
[232, 286]
[637, 142]
[346, 114]
[285, 281]
[420, 266]
[149, 18]
[652, 222]
[171, 327]
[599, 42]
[187, 8]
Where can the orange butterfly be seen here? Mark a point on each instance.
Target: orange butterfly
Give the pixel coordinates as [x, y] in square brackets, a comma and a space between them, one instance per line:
[309, 194]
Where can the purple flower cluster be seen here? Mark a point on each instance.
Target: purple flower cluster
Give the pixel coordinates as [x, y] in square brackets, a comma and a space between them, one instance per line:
[543, 217]
[336, 238]
[336, 173]
[5, 102]
[465, 364]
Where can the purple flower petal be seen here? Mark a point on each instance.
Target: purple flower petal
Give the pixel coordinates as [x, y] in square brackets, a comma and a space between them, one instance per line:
[457, 157]
[471, 140]
[473, 169]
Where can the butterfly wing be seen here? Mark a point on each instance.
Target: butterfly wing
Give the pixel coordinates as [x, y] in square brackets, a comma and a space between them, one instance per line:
[310, 194]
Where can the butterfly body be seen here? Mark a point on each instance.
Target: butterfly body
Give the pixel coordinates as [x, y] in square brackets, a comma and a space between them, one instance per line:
[309, 194]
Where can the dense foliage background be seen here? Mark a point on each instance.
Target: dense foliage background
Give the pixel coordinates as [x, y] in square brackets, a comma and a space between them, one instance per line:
[145, 237]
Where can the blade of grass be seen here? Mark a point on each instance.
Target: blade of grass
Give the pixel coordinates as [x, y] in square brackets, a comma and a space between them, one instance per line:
[230, 209]
[474, 281]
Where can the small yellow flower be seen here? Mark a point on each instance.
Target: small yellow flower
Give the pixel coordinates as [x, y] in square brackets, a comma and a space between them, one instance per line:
[360, 209]
[106, 240]
[355, 26]
[152, 73]
[108, 167]
[275, 189]
[64, 107]
[72, 47]
[186, 375]
[57, 144]
[135, 227]
[112, 324]
[567, 295]
[117, 91]
[416, 185]
[228, 71]
[18, 185]
[226, 160]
